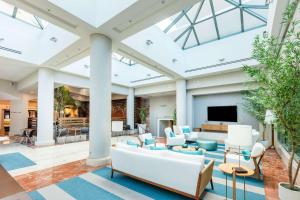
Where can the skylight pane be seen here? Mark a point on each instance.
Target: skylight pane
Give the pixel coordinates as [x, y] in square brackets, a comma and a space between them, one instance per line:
[6, 8]
[229, 23]
[221, 5]
[251, 22]
[206, 31]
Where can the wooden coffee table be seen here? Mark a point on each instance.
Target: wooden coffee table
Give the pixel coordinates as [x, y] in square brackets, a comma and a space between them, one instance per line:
[227, 168]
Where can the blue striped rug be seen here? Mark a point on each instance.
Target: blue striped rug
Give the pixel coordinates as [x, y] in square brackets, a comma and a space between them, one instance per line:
[12, 161]
[99, 185]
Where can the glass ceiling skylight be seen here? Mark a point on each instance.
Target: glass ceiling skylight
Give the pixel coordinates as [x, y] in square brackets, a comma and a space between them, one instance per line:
[211, 20]
[22, 15]
[123, 59]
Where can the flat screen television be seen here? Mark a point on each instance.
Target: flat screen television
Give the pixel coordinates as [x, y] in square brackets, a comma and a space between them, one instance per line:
[222, 113]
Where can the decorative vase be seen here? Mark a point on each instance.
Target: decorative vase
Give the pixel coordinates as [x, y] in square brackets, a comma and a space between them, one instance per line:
[286, 194]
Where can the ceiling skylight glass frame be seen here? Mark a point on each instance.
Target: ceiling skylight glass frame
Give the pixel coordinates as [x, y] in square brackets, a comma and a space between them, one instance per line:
[188, 32]
[123, 59]
[26, 17]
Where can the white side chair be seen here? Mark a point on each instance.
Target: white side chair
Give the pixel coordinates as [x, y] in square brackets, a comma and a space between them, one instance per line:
[146, 136]
[191, 136]
[177, 140]
[238, 136]
[254, 160]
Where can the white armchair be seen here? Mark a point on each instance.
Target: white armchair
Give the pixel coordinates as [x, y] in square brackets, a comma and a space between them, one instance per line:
[175, 140]
[146, 136]
[189, 135]
[238, 136]
[254, 160]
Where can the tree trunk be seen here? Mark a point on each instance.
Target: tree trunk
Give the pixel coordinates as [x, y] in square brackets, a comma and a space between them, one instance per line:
[290, 168]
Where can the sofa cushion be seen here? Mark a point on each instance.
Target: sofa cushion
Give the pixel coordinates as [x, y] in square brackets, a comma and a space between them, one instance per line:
[186, 130]
[149, 141]
[172, 134]
[132, 143]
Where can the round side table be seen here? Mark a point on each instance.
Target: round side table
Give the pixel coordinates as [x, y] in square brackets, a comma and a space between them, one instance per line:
[227, 168]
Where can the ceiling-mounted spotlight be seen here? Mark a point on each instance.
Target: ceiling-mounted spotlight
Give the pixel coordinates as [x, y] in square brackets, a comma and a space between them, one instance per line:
[116, 75]
[265, 34]
[163, 2]
[53, 39]
[221, 59]
[148, 75]
[149, 42]
[1, 39]
[174, 60]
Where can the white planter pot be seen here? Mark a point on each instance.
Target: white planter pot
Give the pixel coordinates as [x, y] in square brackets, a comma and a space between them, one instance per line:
[287, 194]
[265, 143]
[142, 128]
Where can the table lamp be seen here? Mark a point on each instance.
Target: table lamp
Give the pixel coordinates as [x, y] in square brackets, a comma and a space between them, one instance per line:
[269, 119]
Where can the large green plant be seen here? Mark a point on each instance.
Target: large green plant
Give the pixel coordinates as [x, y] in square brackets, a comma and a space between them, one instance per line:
[255, 107]
[62, 97]
[143, 114]
[279, 81]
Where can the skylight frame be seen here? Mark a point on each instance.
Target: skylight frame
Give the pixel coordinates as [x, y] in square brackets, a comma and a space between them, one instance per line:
[123, 59]
[190, 28]
[38, 23]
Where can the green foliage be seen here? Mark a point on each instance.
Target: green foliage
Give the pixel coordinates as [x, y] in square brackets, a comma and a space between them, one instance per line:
[143, 114]
[254, 106]
[174, 118]
[278, 79]
[62, 98]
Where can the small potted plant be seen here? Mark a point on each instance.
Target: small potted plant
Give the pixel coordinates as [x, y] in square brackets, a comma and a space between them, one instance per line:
[142, 127]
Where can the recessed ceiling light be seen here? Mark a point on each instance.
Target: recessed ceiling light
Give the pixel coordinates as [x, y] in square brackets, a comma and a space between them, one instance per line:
[53, 39]
[148, 75]
[1, 39]
[222, 59]
[116, 75]
[86, 66]
[149, 42]
[174, 60]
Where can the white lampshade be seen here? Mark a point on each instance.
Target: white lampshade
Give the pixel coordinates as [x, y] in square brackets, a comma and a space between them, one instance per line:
[270, 117]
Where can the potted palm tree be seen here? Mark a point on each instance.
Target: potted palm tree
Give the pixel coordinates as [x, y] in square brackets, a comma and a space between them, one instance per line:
[279, 89]
[142, 127]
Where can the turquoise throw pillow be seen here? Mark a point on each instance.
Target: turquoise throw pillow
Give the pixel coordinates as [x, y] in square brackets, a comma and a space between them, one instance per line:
[247, 154]
[131, 143]
[186, 130]
[157, 148]
[149, 141]
[172, 134]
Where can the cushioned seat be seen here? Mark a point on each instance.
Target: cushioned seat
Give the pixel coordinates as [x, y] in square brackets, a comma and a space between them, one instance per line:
[209, 145]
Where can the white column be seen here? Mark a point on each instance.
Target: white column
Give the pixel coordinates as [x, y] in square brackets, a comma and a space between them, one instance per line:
[130, 108]
[45, 107]
[18, 115]
[100, 100]
[181, 102]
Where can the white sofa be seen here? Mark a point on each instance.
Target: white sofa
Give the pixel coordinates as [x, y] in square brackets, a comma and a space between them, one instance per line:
[173, 171]
[173, 141]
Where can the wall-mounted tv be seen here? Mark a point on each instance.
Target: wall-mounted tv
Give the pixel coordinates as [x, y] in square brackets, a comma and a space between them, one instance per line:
[222, 113]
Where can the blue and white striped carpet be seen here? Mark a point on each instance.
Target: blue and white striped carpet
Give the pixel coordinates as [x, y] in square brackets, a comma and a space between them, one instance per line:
[98, 185]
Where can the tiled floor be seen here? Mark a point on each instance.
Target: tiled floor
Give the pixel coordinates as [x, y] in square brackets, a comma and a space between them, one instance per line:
[274, 172]
[62, 162]
[42, 178]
